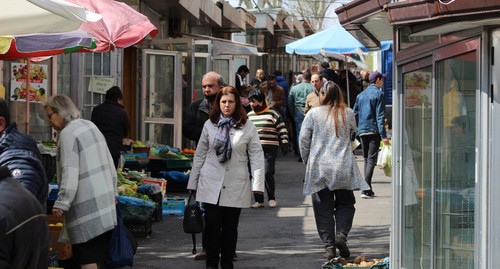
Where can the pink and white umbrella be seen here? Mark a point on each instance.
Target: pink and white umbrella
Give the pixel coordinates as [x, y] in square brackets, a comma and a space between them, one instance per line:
[121, 26]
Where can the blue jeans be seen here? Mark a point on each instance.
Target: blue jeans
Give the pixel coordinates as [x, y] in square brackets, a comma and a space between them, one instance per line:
[298, 118]
[334, 213]
[371, 145]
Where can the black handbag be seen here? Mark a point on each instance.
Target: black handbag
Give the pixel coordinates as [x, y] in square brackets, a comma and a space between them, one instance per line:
[193, 218]
[193, 221]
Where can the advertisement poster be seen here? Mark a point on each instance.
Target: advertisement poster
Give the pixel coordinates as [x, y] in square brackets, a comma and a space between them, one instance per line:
[37, 90]
[418, 89]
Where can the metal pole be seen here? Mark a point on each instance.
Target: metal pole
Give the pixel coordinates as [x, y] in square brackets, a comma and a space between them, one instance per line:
[28, 67]
[347, 78]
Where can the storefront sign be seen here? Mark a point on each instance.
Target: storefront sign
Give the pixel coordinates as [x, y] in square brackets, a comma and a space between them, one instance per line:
[19, 88]
[101, 84]
[418, 91]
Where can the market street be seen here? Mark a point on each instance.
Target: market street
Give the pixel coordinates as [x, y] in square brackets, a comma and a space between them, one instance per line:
[282, 237]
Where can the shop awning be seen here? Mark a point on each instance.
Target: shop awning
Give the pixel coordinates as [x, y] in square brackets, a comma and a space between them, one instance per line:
[233, 48]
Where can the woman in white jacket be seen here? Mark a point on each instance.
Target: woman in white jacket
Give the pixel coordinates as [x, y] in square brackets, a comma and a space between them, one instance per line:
[220, 177]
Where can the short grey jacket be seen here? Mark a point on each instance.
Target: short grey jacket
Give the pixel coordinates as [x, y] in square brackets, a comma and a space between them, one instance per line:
[329, 160]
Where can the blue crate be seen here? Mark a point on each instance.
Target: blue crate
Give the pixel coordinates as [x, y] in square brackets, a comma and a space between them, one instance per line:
[132, 157]
[173, 207]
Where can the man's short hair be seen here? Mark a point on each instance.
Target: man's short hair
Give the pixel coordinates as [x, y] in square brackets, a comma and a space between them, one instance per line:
[271, 77]
[325, 64]
[114, 94]
[4, 111]
[243, 68]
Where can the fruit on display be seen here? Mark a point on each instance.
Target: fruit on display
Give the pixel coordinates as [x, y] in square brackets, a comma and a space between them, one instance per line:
[138, 144]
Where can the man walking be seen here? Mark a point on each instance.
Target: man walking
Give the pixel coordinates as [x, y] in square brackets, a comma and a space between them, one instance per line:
[312, 99]
[297, 102]
[369, 110]
[259, 78]
[195, 118]
[274, 94]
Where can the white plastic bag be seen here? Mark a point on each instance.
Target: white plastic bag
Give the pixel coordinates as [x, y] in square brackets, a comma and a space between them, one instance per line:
[384, 160]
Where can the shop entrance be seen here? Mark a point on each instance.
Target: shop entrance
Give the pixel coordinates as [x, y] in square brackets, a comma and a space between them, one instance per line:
[161, 98]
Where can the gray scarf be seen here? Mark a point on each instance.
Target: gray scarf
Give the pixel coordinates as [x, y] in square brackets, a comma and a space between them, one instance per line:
[222, 143]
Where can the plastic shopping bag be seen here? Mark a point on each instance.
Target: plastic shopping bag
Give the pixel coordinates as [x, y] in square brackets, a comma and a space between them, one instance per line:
[121, 249]
[384, 159]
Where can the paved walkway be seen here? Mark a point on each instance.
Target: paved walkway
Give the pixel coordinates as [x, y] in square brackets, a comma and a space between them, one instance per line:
[282, 237]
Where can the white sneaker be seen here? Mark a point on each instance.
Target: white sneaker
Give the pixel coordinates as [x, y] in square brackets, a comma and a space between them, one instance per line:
[257, 205]
[272, 203]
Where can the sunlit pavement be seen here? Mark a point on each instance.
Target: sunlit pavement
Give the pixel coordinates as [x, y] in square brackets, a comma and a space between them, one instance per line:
[281, 237]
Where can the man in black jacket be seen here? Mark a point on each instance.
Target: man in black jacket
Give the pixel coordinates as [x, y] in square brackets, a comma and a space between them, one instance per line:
[197, 113]
[24, 233]
[20, 154]
[112, 120]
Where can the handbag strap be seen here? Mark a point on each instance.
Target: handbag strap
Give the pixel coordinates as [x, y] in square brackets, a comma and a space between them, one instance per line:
[193, 196]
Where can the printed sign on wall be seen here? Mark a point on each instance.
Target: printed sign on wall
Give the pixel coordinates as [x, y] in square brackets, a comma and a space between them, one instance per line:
[19, 88]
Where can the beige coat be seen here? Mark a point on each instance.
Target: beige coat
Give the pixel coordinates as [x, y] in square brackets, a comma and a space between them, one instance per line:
[230, 179]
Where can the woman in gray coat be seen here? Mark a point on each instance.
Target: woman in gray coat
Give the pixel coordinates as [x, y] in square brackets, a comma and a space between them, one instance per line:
[219, 174]
[87, 183]
[331, 170]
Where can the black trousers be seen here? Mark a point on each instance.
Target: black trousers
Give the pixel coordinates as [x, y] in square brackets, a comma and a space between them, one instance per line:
[270, 154]
[371, 145]
[221, 233]
[334, 213]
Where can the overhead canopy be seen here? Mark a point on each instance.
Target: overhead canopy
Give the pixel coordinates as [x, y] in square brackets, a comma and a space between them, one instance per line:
[42, 16]
[334, 40]
[232, 48]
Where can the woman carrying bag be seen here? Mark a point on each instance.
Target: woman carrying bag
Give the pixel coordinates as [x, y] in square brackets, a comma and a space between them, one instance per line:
[219, 174]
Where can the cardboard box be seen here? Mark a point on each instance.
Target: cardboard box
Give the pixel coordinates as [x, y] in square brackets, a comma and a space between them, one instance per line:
[158, 181]
[173, 207]
[63, 249]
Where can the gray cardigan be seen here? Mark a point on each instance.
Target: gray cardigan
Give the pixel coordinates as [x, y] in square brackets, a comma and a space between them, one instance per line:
[87, 178]
[329, 160]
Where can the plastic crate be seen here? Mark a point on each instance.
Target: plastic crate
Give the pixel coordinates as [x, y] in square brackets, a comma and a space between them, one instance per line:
[141, 150]
[63, 250]
[158, 181]
[139, 228]
[131, 157]
[173, 207]
[178, 164]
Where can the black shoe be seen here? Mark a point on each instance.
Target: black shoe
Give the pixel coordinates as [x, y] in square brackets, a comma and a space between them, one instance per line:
[367, 194]
[341, 245]
[329, 253]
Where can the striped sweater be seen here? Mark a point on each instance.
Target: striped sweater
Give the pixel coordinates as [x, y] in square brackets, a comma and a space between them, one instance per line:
[270, 126]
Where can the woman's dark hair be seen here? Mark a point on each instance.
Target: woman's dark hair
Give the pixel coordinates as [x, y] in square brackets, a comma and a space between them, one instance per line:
[334, 98]
[257, 95]
[239, 115]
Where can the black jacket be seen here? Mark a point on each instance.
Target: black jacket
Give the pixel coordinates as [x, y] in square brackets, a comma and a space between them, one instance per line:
[112, 120]
[24, 233]
[195, 118]
[20, 154]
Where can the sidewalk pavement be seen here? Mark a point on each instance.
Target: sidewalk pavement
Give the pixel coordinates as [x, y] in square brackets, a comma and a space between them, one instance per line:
[282, 237]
